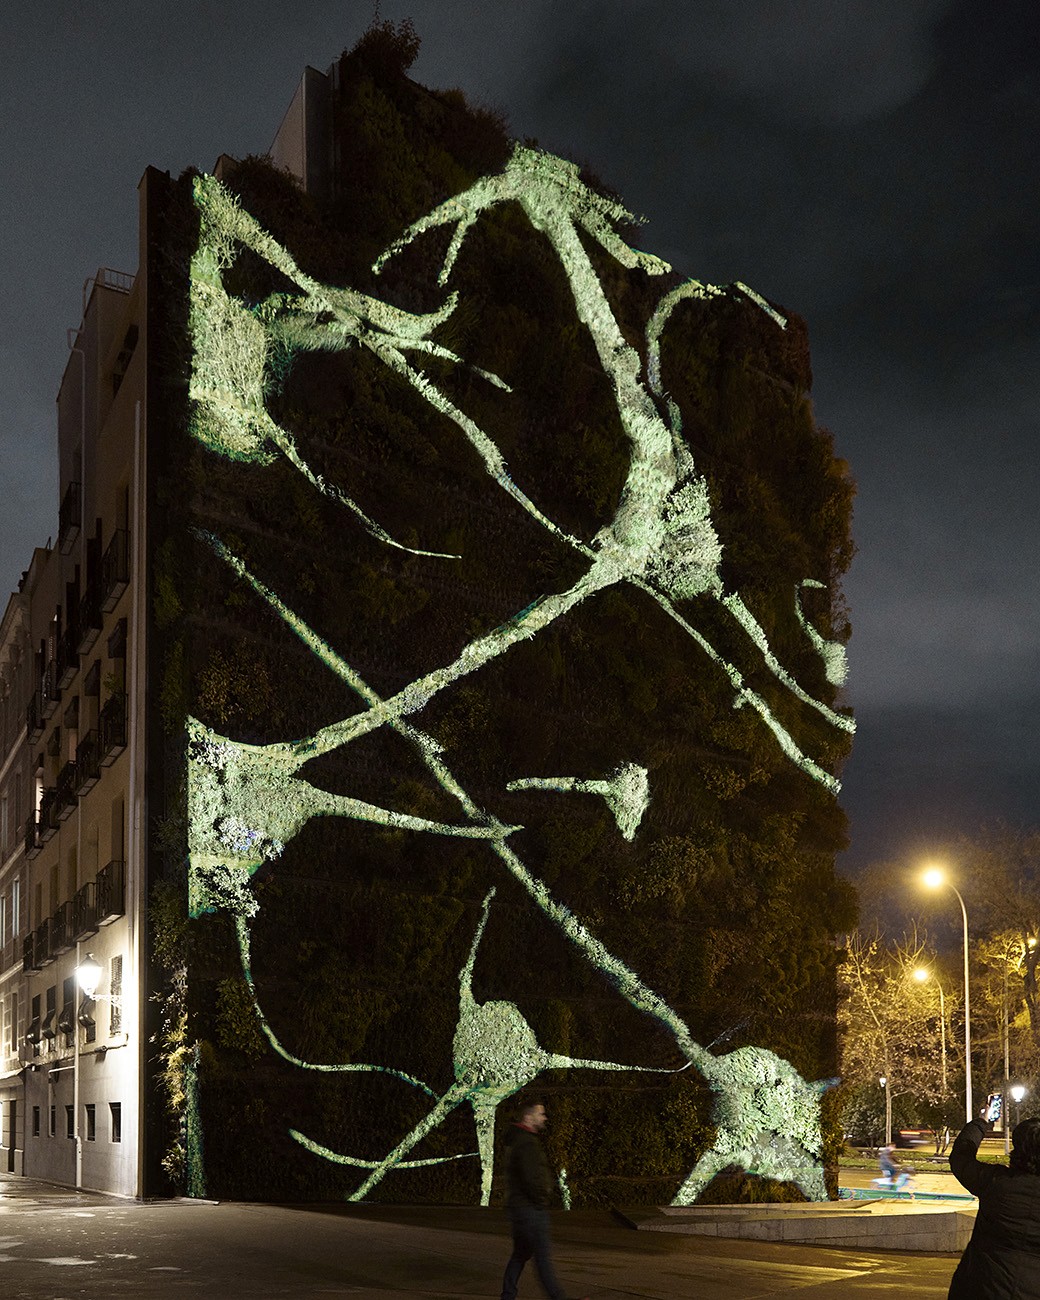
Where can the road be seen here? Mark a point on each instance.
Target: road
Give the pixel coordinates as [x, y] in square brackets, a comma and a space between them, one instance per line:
[61, 1245]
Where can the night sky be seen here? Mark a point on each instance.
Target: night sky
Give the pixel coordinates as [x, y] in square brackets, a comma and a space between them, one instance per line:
[871, 164]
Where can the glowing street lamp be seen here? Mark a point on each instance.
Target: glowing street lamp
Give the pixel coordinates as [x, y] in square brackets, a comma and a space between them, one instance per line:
[935, 878]
[1018, 1091]
[922, 975]
[88, 975]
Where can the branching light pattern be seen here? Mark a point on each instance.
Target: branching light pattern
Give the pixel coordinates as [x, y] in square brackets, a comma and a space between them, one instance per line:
[246, 802]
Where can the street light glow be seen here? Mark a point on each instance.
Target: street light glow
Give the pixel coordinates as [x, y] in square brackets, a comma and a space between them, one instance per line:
[922, 974]
[934, 878]
[88, 973]
[1017, 1093]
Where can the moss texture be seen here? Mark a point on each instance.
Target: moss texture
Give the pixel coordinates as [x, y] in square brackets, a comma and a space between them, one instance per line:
[724, 900]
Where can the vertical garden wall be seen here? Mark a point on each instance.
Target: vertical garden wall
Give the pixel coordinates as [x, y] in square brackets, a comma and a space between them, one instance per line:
[497, 654]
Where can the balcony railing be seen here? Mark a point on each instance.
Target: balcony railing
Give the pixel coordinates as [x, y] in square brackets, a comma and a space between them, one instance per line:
[51, 691]
[68, 656]
[62, 935]
[48, 815]
[109, 893]
[112, 729]
[115, 569]
[66, 790]
[84, 913]
[32, 838]
[70, 517]
[42, 946]
[34, 720]
[88, 762]
[89, 619]
[29, 953]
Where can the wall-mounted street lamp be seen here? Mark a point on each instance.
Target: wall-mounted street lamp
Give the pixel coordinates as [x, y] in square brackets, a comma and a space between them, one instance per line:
[935, 878]
[88, 976]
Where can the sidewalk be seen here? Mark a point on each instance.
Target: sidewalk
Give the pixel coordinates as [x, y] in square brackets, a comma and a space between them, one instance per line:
[57, 1243]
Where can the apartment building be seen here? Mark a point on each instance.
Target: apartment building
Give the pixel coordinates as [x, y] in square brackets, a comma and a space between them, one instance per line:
[70, 805]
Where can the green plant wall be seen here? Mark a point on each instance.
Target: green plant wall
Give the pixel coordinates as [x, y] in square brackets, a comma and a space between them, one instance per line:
[503, 642]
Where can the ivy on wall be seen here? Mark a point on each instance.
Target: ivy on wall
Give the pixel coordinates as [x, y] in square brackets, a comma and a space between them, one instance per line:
[517, 503]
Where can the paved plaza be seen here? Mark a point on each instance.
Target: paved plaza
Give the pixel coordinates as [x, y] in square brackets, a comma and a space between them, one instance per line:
[61, 1245]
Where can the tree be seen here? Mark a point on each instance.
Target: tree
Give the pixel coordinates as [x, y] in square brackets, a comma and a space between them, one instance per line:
[894, 1026]
[1001, 871]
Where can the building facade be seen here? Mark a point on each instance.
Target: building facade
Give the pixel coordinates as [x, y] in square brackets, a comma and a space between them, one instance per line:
[70, 781]
[433, 692]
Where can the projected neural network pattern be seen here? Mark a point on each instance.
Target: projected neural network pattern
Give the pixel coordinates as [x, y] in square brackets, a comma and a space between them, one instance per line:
[246, 802]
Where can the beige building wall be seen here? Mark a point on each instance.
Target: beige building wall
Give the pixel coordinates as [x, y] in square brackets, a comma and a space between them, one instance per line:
[72, 728]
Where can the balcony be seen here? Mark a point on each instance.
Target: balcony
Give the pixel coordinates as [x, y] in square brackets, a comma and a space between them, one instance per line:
[109, 893]
[62, 936]
[34, 720]
[32, 838]
[88, 762]
[48, 815]
[51, 692]
[89, 619]
[29, 953]
[68, 657]
[42, 945]
[70, 518]
[115, 570]
[66, 791]
[84, 913]
[112, 730]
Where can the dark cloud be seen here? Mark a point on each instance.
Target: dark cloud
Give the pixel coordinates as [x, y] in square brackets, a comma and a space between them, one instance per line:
[920, 777]
[871, 164]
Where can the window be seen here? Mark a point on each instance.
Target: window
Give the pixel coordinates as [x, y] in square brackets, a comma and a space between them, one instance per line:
[67, 1019]
[54, 1121]
[70, 1122]
[16, 906]
[116, 1109]
[115, 978]
[91, 1122]
[36, 1122]
[49, 1028]
[32, 1034]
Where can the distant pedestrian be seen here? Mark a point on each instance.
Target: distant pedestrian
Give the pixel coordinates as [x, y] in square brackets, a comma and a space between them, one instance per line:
[1002, 1260]
[530, 1188]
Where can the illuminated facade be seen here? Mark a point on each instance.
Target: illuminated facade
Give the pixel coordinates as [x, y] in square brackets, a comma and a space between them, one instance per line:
[72, 768]
[357, 767]
[433, 693]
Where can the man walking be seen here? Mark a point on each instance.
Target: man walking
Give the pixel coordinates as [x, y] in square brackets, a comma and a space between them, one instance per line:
[527, 1202]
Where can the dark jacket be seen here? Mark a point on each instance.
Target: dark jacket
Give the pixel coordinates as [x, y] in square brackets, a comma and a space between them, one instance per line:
[528, 1179]
[1002, 1261]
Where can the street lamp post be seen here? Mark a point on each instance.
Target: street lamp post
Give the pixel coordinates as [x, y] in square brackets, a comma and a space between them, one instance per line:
[922, 974]
[1017, 1093]
[88, 975]
[884, 1081]
[935, 879]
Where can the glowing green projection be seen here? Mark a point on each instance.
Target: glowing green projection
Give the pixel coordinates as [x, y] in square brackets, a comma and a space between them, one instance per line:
[626, 792]
[495, 1054]
[782, 1118]
[767, 1120]
[247, 801]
